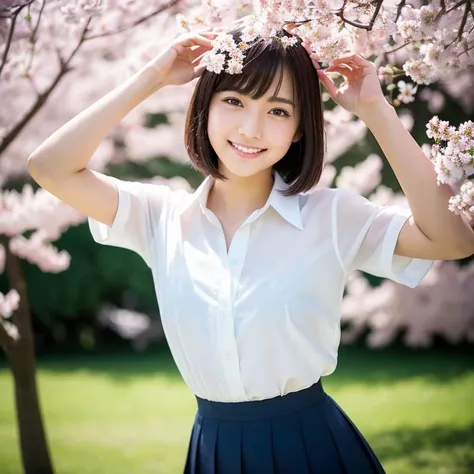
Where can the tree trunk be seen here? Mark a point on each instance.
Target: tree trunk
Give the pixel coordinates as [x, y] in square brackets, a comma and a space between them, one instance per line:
[34, 448]
[21, 356]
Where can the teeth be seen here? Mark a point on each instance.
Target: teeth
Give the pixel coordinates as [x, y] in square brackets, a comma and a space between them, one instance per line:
[247, 150]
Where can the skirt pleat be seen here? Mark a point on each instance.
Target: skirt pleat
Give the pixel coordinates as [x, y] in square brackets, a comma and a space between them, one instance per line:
[303, 432]
[258, 447]
[193, 451]
[364, 458]
[288, 446]
[322, 452]
[208, 446]
[229, 448]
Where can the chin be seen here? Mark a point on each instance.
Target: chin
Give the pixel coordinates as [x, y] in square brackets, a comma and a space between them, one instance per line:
[246, 169]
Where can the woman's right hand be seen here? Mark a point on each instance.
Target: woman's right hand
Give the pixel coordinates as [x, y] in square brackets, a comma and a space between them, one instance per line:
[179, 63]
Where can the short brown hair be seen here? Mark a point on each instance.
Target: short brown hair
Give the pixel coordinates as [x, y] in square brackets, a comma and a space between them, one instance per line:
[302, 165]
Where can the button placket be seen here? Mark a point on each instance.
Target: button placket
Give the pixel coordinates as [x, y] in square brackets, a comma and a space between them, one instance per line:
[235, 261]
[237, 253]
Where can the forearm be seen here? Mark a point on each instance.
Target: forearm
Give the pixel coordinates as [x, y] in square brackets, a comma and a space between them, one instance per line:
[415, 172]
[69, 149]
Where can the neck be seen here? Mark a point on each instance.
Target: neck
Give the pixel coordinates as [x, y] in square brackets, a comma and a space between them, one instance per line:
[240, 196]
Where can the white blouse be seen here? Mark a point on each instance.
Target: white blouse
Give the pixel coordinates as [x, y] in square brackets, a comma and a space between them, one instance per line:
[263, 318]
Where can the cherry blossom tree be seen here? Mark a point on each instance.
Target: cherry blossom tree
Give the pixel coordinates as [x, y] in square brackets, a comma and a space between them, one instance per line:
[58, 56]
[52, 53]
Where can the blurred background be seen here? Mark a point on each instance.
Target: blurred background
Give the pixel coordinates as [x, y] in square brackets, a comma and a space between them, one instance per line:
[87, 383]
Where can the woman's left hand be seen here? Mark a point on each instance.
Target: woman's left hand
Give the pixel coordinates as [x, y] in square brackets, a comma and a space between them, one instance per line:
[361, 90]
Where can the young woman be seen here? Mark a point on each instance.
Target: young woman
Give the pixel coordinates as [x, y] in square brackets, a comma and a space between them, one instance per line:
[249, 270]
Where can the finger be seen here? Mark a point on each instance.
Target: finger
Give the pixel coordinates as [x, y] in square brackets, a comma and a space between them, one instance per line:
[316, 62]
[353, 57]
[341, 67]
[328, 83]
[212, 34]
[198, 70]
[291, 28]
[197, 53]
[202, 39]
[344, 70]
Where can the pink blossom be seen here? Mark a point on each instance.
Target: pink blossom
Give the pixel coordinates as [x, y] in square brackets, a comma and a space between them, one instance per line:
[428, 50]
[9, 303]
[407, 92]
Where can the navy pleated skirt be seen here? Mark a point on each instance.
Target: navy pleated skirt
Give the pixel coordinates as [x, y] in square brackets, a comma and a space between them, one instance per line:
[304, 432]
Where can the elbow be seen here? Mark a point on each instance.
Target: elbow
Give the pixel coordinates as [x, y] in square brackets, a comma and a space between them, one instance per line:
[38, 167]
[38, 170]
[33, 167]
[468, 252]
[463, 250]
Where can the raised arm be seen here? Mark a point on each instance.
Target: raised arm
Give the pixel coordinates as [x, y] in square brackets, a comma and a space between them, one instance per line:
[59, 165]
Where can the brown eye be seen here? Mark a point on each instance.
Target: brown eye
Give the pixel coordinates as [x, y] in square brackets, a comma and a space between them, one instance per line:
[280, 113]
[232, 101]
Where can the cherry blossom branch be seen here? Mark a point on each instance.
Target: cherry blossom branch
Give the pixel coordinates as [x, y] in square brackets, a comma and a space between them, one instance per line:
[467, 10]
[159, 10]
[459, 4]
[464, 19]
[396, 49]
[35, 31]
[368, 27]
[33, 37]
[13, 13]
[340, 14]
[399, 9]
[43, 97]
[64, 69]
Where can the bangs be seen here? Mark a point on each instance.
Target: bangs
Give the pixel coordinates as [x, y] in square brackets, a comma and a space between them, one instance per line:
[264, 60]
[264, 67]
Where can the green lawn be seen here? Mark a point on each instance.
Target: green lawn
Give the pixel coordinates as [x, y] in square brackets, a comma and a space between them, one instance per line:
[132, 414]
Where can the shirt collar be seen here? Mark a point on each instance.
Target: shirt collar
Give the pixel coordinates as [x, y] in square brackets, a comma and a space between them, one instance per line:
[287, 206]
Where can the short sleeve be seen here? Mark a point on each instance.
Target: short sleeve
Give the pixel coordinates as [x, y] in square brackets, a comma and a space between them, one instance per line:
[140, 207]
[366, 236]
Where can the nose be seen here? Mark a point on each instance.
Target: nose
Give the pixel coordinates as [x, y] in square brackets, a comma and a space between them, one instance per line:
[251, 126]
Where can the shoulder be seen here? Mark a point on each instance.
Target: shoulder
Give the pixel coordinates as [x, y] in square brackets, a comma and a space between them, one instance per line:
[323, 198]
[340, 205]
[157, 192]
[343, 199]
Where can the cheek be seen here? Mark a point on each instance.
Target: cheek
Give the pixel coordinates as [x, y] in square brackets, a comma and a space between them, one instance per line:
[216, 123]
[283, 132]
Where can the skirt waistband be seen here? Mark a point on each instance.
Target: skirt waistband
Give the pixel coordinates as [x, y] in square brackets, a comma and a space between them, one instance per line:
[261, 409]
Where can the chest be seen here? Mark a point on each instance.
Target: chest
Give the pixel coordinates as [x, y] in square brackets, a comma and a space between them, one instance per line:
[229, 228]
[264, 263]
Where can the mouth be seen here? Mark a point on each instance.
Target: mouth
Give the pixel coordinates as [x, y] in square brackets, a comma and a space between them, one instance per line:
[245, 152]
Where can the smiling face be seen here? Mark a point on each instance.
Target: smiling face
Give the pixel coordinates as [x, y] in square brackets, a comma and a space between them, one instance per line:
[249, 134]
[231, 111]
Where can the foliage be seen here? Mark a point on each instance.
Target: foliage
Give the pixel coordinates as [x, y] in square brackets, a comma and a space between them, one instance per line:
[133, 412]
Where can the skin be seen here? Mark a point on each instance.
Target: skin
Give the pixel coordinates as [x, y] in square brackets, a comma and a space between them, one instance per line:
[264, 123]
[433, 232]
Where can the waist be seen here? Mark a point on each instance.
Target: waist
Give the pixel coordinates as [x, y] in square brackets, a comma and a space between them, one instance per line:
[260, 409]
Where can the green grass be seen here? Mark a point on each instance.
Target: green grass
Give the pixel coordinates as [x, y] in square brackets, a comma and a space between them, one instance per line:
[133, 414]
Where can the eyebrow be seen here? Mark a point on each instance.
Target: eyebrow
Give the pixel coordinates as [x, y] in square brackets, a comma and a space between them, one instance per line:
[283, 100]
[274, 98]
